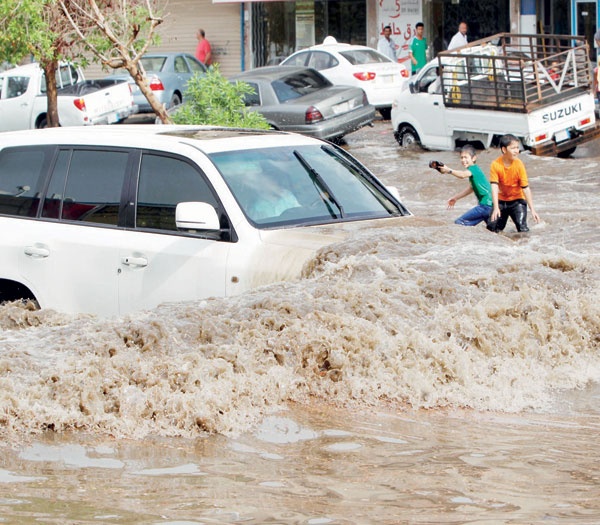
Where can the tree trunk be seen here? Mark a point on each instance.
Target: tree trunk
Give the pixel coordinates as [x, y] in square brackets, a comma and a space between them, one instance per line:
[142, 82]
[52, 118]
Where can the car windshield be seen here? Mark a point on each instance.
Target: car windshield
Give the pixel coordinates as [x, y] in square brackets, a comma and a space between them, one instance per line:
[153, 64]
[299, 84]
[363, 56]
[299, 185]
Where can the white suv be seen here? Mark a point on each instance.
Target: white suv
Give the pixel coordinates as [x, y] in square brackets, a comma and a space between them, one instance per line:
[110, 220]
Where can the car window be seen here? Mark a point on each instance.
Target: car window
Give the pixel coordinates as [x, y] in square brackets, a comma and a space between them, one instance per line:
[163, 183]
[297, 60]
[320, 60]
[302, 185]
[21, 171]
[181, 65]
[252, 99]
[153, 64]
[86, 185]
[298, 84]
[16, 86]
[364, 56]
[195, 65]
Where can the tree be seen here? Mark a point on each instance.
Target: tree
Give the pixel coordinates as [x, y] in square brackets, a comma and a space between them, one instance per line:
[118, 33]
[212, 99]
[39, 28]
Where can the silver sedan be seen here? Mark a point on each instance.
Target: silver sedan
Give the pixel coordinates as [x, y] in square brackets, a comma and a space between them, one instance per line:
[168, 74]
[302, 100]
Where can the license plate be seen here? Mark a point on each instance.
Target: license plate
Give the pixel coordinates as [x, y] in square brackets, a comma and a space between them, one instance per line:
[341, 108]
[561, 136]
[112, 118]
[387, 79]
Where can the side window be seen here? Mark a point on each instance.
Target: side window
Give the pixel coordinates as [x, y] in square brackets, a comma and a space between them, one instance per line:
[16, 86]
[252, 99]
[319, 61]
[94, 183]
[21, 171]
[181, 65]
[163, 183]
[195, 66]
[298, 60]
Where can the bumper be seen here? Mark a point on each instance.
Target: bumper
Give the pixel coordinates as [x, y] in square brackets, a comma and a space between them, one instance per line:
[115, 116]
[552, 149]
[337, 126]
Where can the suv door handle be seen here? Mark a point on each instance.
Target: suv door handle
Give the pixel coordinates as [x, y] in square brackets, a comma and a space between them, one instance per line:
[37, 252]
[135, 261]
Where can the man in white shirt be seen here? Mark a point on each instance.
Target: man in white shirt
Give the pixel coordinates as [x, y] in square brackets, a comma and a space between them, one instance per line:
[386, 45]
[460, 38]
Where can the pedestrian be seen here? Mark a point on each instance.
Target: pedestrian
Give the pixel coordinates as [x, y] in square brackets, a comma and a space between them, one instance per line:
[510, 188]
[386, 45]
[203, 49]
[418, 49]
[478, 184]
[460, 38]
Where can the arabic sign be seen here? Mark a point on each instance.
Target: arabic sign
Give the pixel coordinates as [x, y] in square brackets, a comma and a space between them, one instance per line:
[402, 16]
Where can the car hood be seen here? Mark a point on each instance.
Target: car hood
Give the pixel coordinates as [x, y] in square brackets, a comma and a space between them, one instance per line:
[290, 253]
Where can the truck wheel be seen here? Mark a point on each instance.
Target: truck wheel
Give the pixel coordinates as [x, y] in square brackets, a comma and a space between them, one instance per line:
[407, 136]
[43, 123]
[386, 113]
[566, 153]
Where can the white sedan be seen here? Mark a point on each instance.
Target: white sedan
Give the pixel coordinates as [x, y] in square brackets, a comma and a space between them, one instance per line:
[109, 220]
[352, 65]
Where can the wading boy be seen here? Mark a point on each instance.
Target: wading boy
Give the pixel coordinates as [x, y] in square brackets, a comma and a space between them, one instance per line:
[510, 188]
[478, 184]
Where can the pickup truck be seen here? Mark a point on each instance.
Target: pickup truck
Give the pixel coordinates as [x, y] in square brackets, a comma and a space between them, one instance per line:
[23, 103]
[537, 87]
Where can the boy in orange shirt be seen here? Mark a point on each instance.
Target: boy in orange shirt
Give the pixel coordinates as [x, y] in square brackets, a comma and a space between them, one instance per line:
[510, 188]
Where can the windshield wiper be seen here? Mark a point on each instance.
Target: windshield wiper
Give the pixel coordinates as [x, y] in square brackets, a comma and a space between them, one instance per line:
[317, 179]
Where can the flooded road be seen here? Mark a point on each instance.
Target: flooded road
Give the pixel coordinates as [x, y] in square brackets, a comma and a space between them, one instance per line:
[419, 373]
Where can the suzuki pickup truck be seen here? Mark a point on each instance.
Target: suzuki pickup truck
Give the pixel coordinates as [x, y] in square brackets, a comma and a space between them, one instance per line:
[537, 87]
[23, 103]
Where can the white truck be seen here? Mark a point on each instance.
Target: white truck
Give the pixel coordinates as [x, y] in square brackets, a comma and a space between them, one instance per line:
[23, 103]
[537, 87]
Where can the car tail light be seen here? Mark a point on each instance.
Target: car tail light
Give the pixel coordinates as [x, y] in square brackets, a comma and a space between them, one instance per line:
[313, 115]
[585, 121]
[365, 75]
[156, 84]
[538, 138]
[79, 104]
[404, 73]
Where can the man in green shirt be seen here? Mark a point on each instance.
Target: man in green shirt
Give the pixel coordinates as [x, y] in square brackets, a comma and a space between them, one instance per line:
[479, 185]
[418, 49]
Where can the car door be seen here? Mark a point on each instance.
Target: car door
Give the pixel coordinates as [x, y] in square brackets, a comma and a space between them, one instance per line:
[16, 103]
[158, 263]
[70, 254]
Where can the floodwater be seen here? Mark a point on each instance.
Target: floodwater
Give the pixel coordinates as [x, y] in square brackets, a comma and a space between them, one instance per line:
[421, 372]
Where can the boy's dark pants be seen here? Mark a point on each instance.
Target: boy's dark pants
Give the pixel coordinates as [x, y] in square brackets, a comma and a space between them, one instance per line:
[516, 210]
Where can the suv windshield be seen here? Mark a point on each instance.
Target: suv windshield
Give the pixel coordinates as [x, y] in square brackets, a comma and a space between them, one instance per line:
[296, 185]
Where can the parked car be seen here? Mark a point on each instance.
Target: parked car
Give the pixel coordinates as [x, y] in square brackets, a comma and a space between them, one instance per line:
[168, 74]
[24, 102]
[109, 220]
[353, 65]
[302, 100]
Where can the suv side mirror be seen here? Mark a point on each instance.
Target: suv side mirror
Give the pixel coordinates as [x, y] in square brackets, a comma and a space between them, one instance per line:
[413, 86]
[196, 216]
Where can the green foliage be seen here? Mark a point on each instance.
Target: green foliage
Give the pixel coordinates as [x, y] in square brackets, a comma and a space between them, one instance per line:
[213, 100]
[21, 23]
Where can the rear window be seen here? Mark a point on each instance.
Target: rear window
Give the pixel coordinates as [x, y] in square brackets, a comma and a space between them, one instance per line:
[299, 84]
[153, 63]
[364, 56]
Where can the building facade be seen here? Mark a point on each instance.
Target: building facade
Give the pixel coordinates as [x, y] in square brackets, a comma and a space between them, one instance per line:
[250, 34]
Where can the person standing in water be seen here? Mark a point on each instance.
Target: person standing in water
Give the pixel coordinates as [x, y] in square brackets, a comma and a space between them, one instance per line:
[510, 188]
